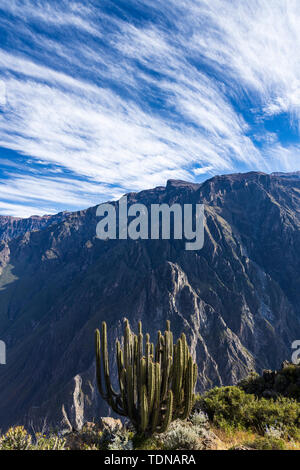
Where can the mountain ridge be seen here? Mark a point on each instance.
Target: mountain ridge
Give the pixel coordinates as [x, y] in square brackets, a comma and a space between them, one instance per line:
[12, 227]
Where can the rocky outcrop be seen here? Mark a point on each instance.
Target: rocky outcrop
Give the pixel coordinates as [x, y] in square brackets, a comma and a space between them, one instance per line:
[110, 424]
[237, 299]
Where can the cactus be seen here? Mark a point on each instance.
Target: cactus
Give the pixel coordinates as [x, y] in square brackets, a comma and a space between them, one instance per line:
[156, 385]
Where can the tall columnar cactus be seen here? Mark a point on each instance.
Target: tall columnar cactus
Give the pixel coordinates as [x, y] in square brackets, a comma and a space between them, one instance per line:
[156, 383]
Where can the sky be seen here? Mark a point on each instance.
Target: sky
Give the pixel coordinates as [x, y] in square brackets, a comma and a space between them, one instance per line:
[99, 98]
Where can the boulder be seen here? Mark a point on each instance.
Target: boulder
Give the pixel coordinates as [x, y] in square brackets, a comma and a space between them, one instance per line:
[110, 424]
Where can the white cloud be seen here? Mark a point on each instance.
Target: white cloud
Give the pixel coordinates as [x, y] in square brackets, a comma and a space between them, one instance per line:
[19, 210]
[40, 195]
[283, 158]
[66, 13]
[202, 170]
[257, 42]
[2, 93]
[99, 135]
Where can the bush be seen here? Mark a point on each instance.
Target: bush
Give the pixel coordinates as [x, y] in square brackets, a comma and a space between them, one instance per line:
[121, 441]
[200, 419]
[15, 439]
[51, 442]
[18, 438]
[267, 443]
[141, 442]
[231, 407]
[182, 437]
[284, 382]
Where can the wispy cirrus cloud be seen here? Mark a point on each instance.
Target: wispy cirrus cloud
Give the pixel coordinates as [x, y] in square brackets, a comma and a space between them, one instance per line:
[56, 13]
[125, 98]
[252, 43]
[32, 195]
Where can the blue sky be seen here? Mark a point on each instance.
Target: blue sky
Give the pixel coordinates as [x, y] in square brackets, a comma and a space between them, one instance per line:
[98, 98]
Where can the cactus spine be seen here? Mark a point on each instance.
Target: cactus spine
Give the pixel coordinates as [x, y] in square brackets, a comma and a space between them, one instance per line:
[156, 385]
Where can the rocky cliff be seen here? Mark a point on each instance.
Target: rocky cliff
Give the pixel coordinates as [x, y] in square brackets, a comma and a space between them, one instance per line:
[13, 227]
[237, 299]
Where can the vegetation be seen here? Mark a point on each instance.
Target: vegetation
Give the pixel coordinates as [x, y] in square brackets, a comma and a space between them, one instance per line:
[18, 438]
[184, 436]
[156, 385]
[231, 407]
[224, 427]
[267, 443]
[272, 384]
[225, 418]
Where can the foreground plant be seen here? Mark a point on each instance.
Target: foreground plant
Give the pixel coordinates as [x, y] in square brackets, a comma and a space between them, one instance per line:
[17, 438]
[156, 385]
[232, 408]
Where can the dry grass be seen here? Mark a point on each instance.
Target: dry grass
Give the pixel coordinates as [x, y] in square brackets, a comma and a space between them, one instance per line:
[234, 438]
[293, 445]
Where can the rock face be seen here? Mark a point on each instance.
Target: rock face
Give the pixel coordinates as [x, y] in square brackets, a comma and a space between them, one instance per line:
[13, 227]
[110, 424]
[238, 299]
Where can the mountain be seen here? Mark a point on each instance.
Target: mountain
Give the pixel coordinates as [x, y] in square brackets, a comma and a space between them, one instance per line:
[293, 175]
[13, 227]
[238, 299]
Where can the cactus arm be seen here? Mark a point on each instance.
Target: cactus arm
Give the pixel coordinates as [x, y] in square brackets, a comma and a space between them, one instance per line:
[151, 385]
[144, 409]
[189, 389]
[98, 364]
[130, 392]
[166, 379]
[169, 413]
[178, 372]
[195, 375]
[110, 391]
[156, 404]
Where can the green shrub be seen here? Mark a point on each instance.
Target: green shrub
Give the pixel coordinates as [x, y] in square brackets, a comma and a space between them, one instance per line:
[253, 384]
[267, 443]
[231, 407]
[17, 438]
[51, 442]
[200, 419]
[121, 441]
[140, 442]
[284, 382]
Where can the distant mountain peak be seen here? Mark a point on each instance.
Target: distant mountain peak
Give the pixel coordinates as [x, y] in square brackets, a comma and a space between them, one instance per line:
[176, 184]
